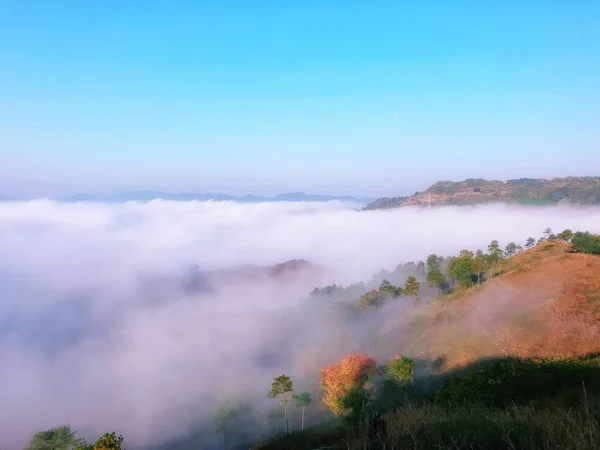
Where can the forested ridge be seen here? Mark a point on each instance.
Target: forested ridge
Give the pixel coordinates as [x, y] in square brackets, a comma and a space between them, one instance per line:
[526, 191]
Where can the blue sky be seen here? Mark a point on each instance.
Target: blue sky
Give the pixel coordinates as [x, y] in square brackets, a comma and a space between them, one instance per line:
[359, 97]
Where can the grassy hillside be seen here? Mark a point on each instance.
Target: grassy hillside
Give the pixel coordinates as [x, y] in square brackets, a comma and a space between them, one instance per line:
[545, 303]
[510, 363]
[581, 190]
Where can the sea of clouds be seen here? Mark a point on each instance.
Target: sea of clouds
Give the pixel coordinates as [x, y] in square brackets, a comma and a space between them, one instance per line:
[96, 331]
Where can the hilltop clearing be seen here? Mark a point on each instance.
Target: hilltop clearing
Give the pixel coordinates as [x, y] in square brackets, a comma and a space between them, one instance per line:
[579, 190]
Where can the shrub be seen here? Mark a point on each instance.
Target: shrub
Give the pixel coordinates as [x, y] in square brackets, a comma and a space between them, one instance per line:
[586, 242]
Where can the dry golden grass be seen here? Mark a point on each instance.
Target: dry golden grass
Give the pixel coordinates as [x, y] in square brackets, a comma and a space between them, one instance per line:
[546, 303]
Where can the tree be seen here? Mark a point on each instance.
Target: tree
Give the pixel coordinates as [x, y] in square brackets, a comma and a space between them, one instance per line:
[494, 257]
[388, 291]
[511, 249]
[494, 250]
[109, 441]
[388, 288]
[63, 438]
[280, 387]
[435, 278]
[478, 265]
[586, 242]
[302, 400]
[549, 236]
[434, 274]
[59, 438]
[530, 242]
[463, 268]
[371, 299]
[432, 262]
[451, 269]
[401, 369]
[565, 235]
[339, 379]
[412, 287]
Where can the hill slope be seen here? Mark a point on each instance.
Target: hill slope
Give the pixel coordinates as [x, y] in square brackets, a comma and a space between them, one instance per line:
[545, 304]
[584, 190]
[532, 334]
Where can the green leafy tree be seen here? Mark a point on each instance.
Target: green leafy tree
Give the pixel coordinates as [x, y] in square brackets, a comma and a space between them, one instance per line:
[435, 278]
[59, 438]
[371, 299]
[530, 242]
[478, 265]
[434, 275]
[463, 269]
[109, 441]
[494, 257]
[549, 235]
[494, 251]
[433, 262]
[565, 235]
[354, 402]
[401, 369]
[451, 269]
[387, 287]
[388, 291]
[412, 288]
[302, 400]
[586, 242]
[281, 387]
[511, 249]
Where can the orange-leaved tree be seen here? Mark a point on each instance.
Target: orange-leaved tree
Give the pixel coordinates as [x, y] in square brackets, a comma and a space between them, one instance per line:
[340, 379]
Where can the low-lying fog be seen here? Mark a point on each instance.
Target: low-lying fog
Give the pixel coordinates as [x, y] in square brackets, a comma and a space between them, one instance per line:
[99, 328]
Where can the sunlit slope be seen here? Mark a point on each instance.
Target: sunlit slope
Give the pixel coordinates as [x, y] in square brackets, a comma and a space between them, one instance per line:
[546, 303]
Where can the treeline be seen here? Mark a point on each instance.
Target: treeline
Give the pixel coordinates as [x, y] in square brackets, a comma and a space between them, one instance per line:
[444, 275]
[347, 389]
[64, 438]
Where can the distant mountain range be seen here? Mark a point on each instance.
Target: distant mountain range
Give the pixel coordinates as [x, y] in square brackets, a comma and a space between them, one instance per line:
[527, 191]
[146, 196]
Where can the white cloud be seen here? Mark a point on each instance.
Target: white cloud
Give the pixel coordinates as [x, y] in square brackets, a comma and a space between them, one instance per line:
[95, 330]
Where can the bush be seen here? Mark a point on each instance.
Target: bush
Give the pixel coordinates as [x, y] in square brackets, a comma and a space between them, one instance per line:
[509, 381]
[586, 242]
